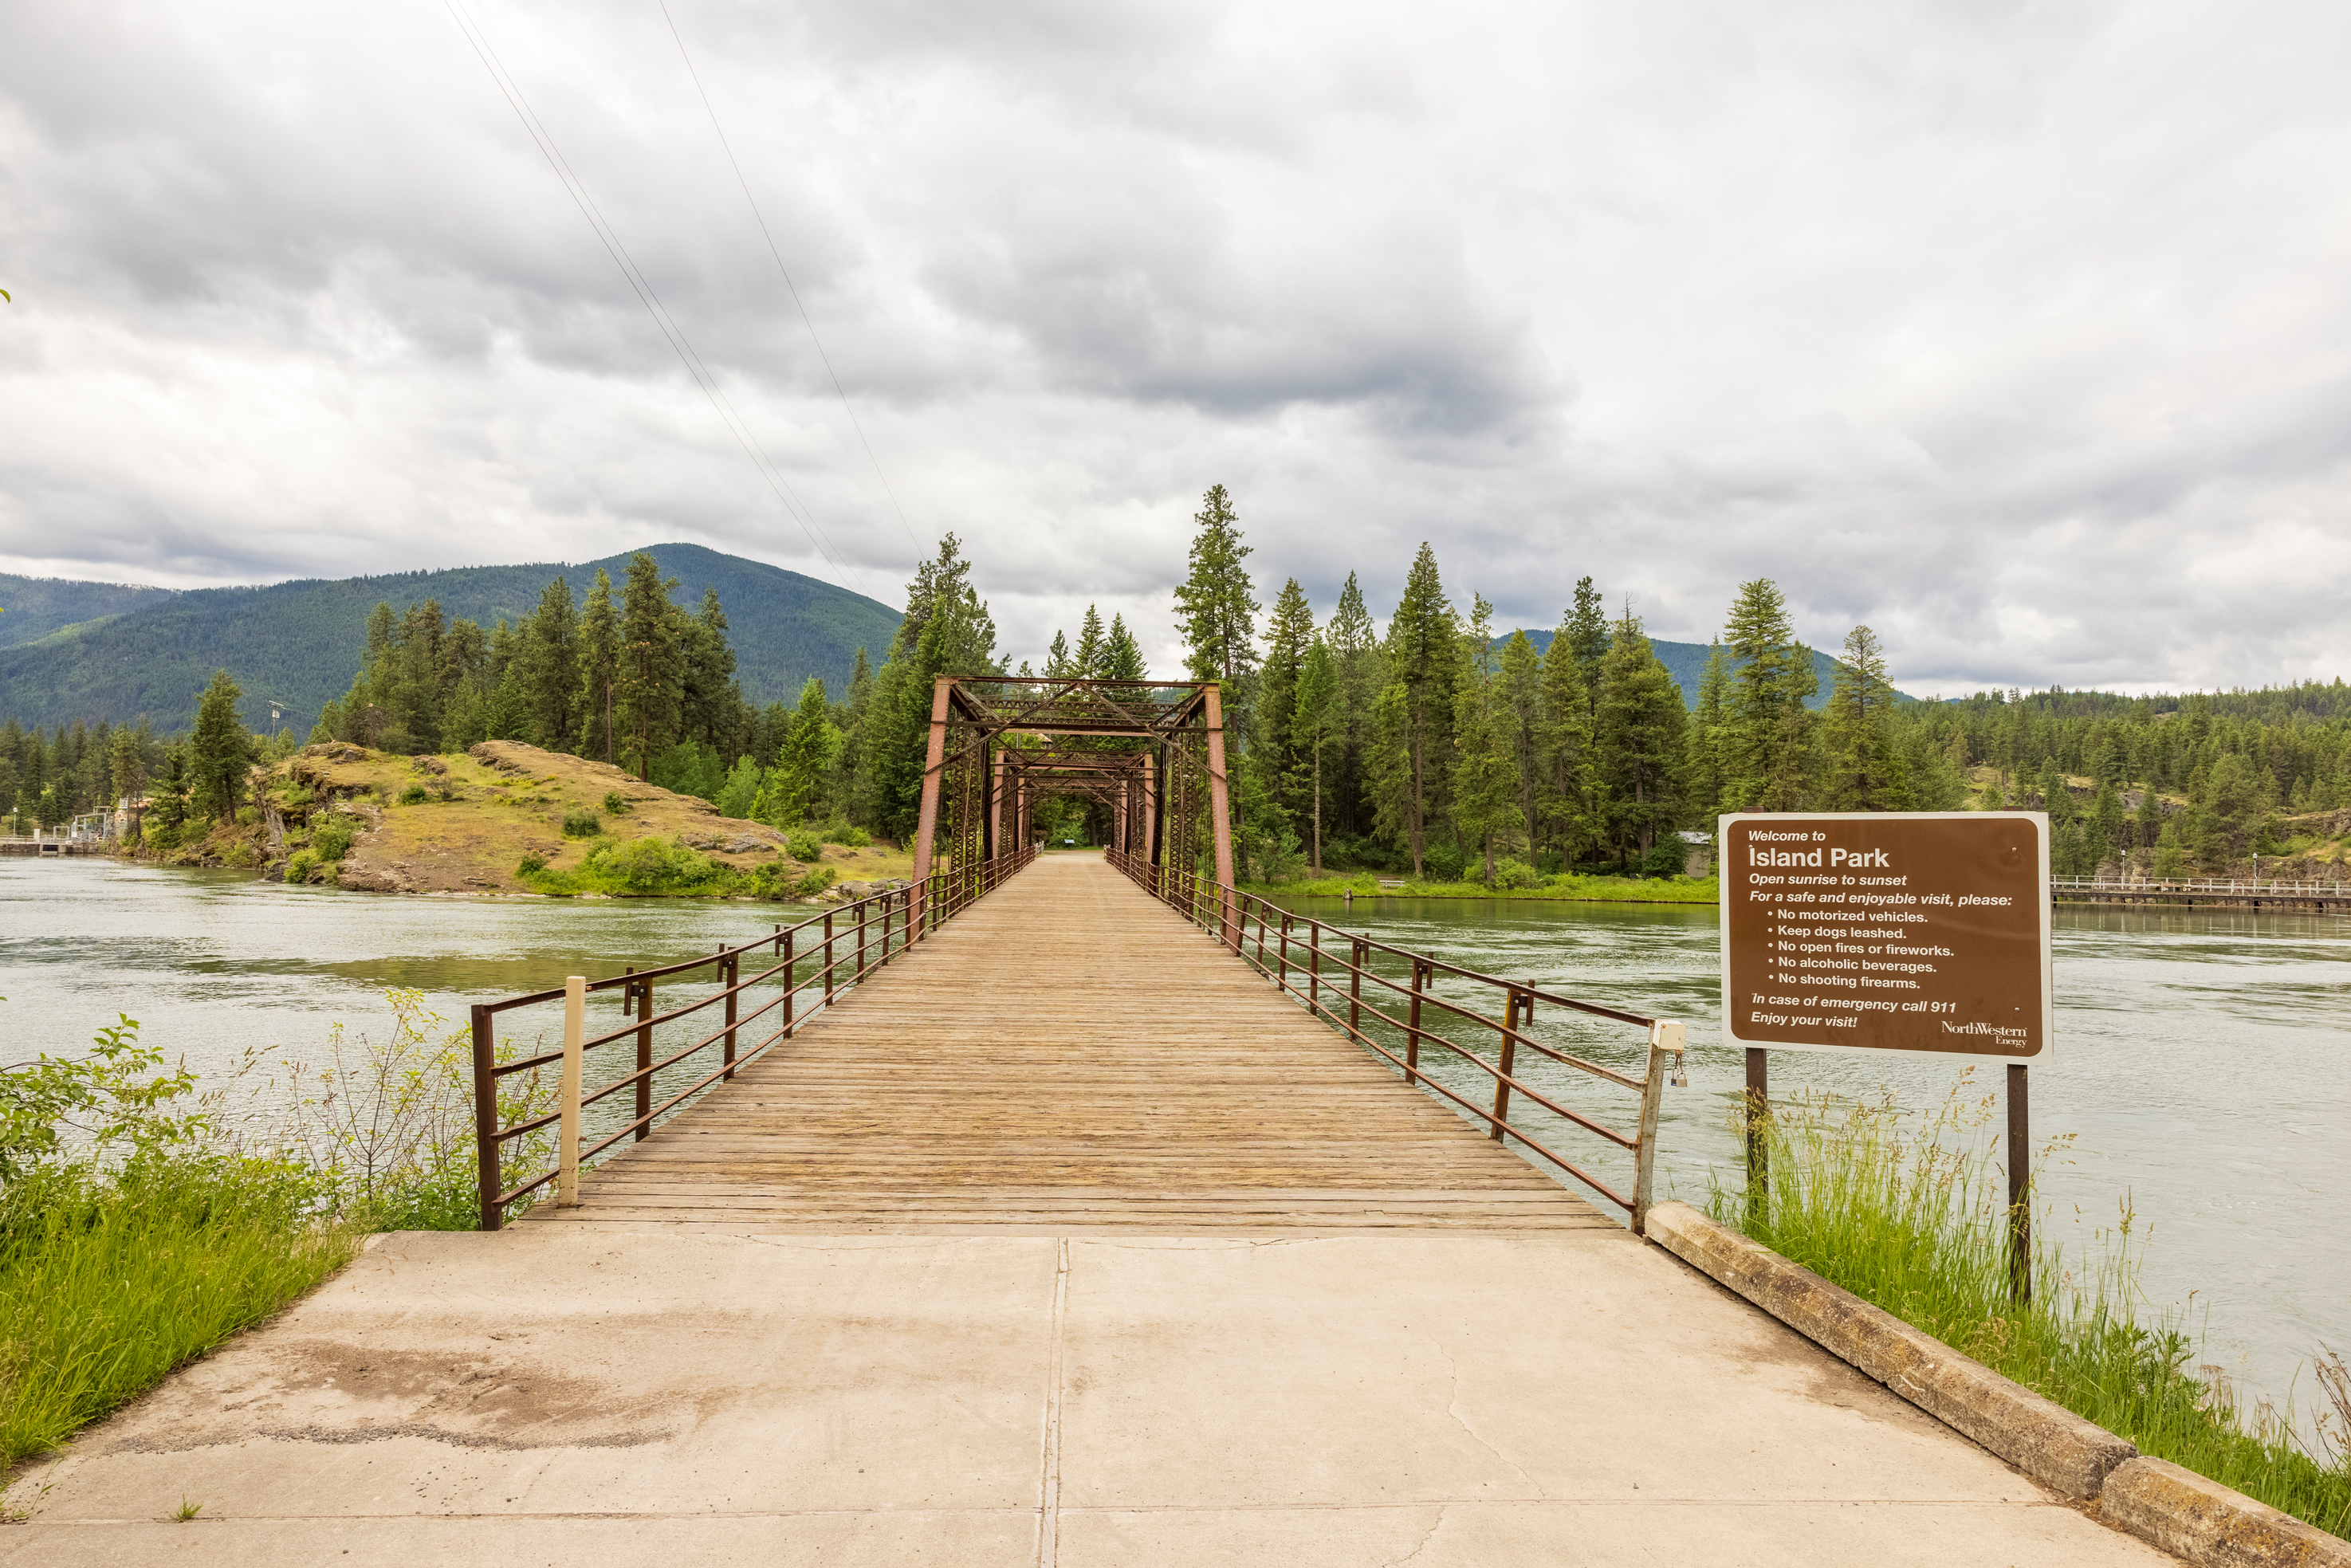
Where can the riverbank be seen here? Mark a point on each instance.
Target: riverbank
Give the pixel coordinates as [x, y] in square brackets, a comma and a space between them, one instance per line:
[1550, 890]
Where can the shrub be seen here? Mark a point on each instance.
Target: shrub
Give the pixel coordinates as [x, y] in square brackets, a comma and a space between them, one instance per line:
[247, 816]
[581, 825]
[413, 795]
[839, 831]
[1515, 874]
[616, 803]
[241, 855]
[332, 840]
[297, 795]
[778, 883]
[806, 847]
[300, 866]
[1669, 856]
[530, 866]
[650, 865]
[159, 836]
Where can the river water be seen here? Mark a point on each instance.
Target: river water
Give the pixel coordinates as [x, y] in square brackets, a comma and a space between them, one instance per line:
[2200, 1063]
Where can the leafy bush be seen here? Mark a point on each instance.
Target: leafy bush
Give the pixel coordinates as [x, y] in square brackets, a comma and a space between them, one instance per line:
[780, 881]
[413, 795]
[616, 803]
[246, 817]
[241, 855]
[806, 847]
[332, 839]
[297, 795]
[1669, 856]
[1515, 874]
[530, 866]
[581, 825]
[650, 865]
[839, 831]
[300, 864]
[159, 836]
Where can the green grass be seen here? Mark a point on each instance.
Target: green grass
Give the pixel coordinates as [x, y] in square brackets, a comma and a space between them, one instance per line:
[1557, 889]
[1908, 1213]
[108, 1283]
[655, 867]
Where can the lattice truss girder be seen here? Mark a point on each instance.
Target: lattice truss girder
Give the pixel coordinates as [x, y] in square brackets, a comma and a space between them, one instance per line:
[1153, 752]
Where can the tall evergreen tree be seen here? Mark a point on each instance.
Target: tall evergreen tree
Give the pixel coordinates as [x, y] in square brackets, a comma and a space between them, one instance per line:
[1570, 793]
[1355, 645]
[600, 673]
[1865, 769]
[1314, 716]
[1640, 734]
[1122, 655]
[709, 701]
[1482, 783]
[651, 665]
[1088, 658]
[1288, 633]
[1519, 697]
[1771, 730]
[1705, 772]
[1585, 627]
[547, 668]
[1216, 604]
[220, 751]
[1423, 656]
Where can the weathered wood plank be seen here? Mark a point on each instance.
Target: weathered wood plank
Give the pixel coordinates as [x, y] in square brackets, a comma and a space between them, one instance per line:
[1070, 1054]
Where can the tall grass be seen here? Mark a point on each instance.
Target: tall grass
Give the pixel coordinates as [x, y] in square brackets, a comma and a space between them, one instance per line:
[1908, 1212]
[109, 1281]
[142, 1222]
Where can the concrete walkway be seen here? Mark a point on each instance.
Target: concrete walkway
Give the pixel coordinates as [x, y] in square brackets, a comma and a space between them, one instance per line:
[667, 1395]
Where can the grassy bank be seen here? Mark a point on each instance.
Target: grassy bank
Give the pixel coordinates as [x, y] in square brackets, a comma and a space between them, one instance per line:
[145, 1218]
[108, 1281]
[1907, 1212]
[1555, 890]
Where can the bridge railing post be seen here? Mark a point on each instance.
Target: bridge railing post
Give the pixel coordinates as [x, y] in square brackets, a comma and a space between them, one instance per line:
[729, 969]
[575, 1033]
[644, 994]
[488, 1175]
[1666, 1039]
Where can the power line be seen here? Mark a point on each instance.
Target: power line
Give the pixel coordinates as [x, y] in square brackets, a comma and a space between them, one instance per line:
[786, 272]
[643, 287]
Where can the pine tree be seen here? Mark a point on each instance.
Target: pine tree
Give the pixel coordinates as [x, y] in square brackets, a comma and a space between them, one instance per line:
[1315, 717]
[652, 668]
[1864, 766]
[1215, 604]
[1087, 661]
[1568, 795]
[1519, 716]
[1288, 633]
[600, 673]
[956, 635]
[709, 705]
[220, 752]
[1355, 656]
[1060, 663]
[1122, 655]
[1771, 750]
[1423, 655]
[1585, 627]
[1483, 784]
[1704, 774]
[1640, 740]
[794, 788]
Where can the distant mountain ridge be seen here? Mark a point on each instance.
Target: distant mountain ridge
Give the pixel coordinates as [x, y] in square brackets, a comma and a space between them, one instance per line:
[119, 651]
[33, 608]
[1686, 661]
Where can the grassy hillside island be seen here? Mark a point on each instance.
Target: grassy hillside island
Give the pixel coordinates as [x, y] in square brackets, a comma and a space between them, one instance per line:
[507, 816]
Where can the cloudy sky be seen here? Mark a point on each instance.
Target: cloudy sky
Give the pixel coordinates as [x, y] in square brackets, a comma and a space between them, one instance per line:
[2021, 331]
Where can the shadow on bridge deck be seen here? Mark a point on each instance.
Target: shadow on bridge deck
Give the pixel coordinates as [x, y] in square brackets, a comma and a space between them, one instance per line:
[1070, 1053]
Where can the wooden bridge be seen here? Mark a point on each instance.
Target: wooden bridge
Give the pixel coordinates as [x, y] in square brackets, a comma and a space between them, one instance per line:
[1070, 1053]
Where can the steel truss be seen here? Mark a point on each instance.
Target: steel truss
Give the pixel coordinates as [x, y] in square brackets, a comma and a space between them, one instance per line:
[1151, 751]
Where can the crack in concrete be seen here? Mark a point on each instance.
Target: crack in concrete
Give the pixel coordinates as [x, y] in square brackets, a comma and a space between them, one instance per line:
[1435, 1525]
[1452, 1409]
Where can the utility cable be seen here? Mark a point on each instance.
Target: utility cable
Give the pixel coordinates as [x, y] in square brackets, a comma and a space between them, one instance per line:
[785, 272]
[642, 286]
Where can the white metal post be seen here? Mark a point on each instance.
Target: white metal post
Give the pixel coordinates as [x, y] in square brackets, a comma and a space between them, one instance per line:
[1666, 1040]
[575, 1030]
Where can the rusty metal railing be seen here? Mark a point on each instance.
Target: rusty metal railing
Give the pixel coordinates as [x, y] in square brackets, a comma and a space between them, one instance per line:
[816, 962]
[1302, 957]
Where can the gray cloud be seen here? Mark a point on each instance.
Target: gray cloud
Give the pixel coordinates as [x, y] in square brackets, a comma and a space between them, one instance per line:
[2016, 332]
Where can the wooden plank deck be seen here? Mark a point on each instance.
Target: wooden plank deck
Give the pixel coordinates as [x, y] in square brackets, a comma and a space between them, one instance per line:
[1070, 1054]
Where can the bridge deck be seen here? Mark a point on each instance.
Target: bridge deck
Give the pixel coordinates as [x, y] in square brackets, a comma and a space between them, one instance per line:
[1069, 1053]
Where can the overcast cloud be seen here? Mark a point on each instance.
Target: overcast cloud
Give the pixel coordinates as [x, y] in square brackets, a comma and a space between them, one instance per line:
[2018, 332]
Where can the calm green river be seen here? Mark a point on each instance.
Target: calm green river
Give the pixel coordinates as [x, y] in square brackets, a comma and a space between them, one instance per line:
[2199, 1062]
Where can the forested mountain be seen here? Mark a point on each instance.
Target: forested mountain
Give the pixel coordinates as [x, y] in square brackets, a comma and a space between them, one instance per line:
[1686, 661]
[301, 644]
[33, 608]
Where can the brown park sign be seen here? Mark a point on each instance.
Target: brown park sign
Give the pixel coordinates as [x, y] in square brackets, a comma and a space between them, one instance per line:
[1886, 931]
